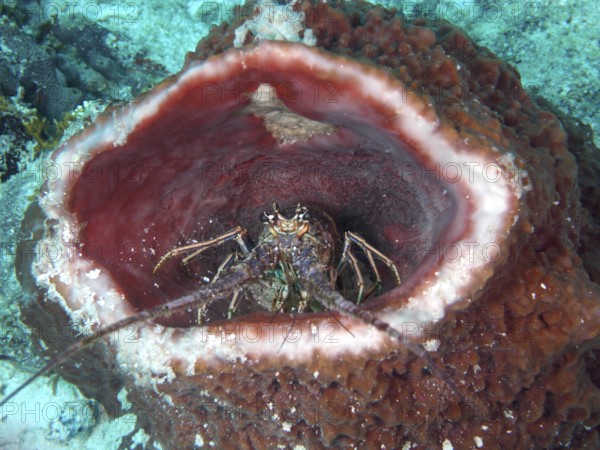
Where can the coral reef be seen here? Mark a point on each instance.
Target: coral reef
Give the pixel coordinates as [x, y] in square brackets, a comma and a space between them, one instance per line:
[47, 68]
[517, 329]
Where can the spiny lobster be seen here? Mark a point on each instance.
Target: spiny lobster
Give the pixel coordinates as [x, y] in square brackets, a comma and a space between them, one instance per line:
[293, 256]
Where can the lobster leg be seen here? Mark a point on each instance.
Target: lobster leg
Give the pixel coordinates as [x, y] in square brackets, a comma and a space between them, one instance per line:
[371, 252]
[238, 234]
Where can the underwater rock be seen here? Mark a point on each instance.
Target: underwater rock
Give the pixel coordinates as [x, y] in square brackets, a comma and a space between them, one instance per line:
[48, 67]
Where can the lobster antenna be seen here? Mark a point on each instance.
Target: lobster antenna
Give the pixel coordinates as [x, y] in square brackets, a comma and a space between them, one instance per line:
[217, 291]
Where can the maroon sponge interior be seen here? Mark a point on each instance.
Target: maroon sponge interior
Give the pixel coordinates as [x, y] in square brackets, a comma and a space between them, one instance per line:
[206, 164]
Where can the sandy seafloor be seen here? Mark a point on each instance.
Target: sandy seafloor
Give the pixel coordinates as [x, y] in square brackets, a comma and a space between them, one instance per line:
[554, 44]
